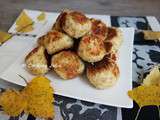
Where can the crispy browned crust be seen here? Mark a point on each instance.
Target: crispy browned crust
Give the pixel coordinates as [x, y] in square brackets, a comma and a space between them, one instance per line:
[67, 64]
[54, 35]
[99, 29]
[36, 61]
[99, 45]
[108, 46]
[32, 52]
[106, 64]
[111, 33]
[40, 40]
[49, 37]
[75, 24]
[60, 21]
[113, 40]
[78, 17]
[112, 56]
[55, 41]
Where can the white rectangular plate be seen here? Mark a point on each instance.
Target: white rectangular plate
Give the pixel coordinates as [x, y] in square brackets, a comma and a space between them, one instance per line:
[79, 87]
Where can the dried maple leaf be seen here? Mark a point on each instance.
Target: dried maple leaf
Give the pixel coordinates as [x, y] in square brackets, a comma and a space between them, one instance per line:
[12, 102]
[146, 95]
[41, 17]
[151, 35]
[153, 78]
[24, 23]
[4, 37]
[39, 96]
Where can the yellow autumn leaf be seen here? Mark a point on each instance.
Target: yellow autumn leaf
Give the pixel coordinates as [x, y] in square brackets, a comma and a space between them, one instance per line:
[153, 78]
[151, 35]
[36, 99]
[41, 17]
[12, 102]
[24, 29]
[146, 95]
[39, 96]
[21, 29]
[4, 37]
[24, 23]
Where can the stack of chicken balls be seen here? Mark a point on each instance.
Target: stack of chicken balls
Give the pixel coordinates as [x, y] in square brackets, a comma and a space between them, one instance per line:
[78, 44]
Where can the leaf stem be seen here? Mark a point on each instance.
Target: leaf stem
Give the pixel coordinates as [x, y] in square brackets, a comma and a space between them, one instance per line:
[23, 78]
[158, 111]
[136, 118]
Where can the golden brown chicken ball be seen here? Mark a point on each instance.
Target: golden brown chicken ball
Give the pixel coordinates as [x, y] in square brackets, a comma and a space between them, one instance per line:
[91, 48]
[103, 74]
[67, 64]
[114, 40]
[60, 20]
[76, 24]
[99, 29]
[36, 61]
[55, 41]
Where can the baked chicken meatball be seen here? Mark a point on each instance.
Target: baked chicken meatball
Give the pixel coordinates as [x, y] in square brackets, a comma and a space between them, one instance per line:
[59, 21]
[103, 74]
[67, 64]
[76, 24]
[99, 29]
[36, 61]
[91, 48]
[114, 40]
[55, 41]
